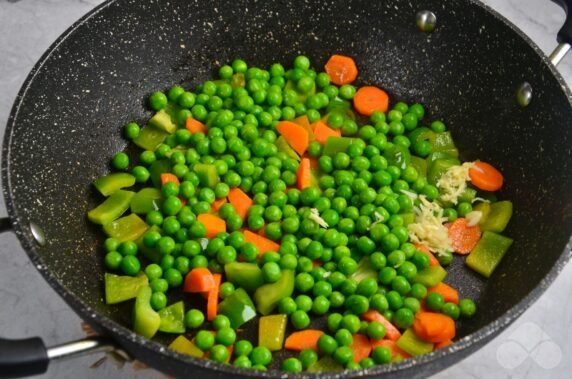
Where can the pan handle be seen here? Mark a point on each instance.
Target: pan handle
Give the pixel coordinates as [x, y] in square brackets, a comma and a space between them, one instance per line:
[564, 35]
[26, 357]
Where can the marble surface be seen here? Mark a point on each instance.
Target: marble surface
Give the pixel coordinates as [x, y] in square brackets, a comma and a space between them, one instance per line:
[538, 344]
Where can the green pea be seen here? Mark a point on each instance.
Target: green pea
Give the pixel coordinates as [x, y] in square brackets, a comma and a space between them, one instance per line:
[381, 355]
[300, 319]
[130, 265]
[194, 318]
[113, 260]
[158, 301]
[467, 308]
[243, 348]
[158, 100]
[435, 301]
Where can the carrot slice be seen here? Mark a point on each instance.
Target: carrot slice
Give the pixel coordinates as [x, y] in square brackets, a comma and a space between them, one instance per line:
[484, 176]
[322, 131]
[391, 332]
[369, 99]
[341, 69]
[304, 339]
[263, 244]
[199, 279]
[449, 293]
[296, 135]
[214, 224]
[212, 299]
[392, 346]
[304, 174]
[424, 249]
[463, 237]
[305, 123]
[167, 177]
[215, 206]
[195, 126]
[240, 201]
[361, 346]
[443, 344]
[434, 327]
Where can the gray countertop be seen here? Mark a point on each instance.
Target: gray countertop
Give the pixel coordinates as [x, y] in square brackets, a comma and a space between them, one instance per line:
[538, 344]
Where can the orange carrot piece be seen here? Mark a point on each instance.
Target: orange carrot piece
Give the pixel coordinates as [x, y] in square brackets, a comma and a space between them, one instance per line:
[369, 99]
[167, 177]
[212, 299]
[424, 249]
[263, 244]
[443, 344]
[341, 69]
[304, 174]
[195, 126]
[449, 293]
[199, 279]
[322, 131]
[304, 339]
[391, 332]
[434, 327]
[215, 206]
[486, 177]
[391, 345]
[214, 224]
[240, 201]
[361, 346]
[463, 237]
[296, 135]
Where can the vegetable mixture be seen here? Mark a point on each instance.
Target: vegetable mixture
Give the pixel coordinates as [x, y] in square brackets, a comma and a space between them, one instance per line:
[290, 196]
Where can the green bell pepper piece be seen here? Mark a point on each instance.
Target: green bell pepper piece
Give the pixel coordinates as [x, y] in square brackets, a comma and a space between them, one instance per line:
[336, 145]
[268, 296]
[146, 321]
[172, 318]
[439, 155]
[150, 137]
[488, 253]
[238, 307]
[284, 147]
[397, 155]
[245, 275]
[325, 364]
[150, 253]
[422, 134]
[122, 288]
[430, 276]
[485, 209]
[108, 184]
[342, 107]
[182, 345]
[438, 168]
[420, 165]
[498, 217]
[408, 218]
[146, 200]
[364, 271]
[112, 208]
[156, 169]
[127, 228]
[163, 121]
[207, 174]
[271, 331]
[444, 142]
[413, 345]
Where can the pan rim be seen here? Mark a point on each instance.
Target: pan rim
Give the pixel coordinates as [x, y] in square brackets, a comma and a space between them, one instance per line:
[114, 328]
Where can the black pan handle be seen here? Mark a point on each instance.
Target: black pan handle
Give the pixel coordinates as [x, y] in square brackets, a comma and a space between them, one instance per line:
[564, 35]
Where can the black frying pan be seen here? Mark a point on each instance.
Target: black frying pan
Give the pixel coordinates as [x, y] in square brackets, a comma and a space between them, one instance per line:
[68, 116]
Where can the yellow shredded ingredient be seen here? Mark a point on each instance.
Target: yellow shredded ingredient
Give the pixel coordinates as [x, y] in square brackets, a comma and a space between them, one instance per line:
[453, 182]
[428, 228]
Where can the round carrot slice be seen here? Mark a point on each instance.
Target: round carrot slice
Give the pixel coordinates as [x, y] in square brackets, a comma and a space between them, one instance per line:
[484, 176]
[369, 99]
[341, 69]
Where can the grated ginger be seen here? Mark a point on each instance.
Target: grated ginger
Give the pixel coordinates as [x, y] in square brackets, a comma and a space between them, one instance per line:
[428, 228]
[454, 182]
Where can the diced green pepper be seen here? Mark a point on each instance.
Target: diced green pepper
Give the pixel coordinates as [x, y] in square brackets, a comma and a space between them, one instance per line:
[336, 145]
[245, 275]
[485, 209]
[422, 134]
[364, 270]
[420, 165]
[146, 200]
[408, 218]
[498, 217]
[122, 288]
[172, 318]
[268, 296]
[284, 147]
[156, 169]
[163, 121]
[438, 168]
[108, 184]
[112, 208]
[182, 345]
[397, 155]
[488, 253]
[207, 174]
[444, 142]
[238, 307]
[150, 253]
[126, 228]
[413, 345]
[146, 321]
[430, 276]
[439, 155]
[325, 364]
[271, 331]
[342, 107]
[150, 137]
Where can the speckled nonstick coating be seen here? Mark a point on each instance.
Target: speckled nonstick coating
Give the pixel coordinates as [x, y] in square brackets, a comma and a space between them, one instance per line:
[67, 120]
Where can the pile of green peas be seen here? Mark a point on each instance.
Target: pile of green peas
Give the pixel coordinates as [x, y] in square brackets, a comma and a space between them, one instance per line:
[359, 194]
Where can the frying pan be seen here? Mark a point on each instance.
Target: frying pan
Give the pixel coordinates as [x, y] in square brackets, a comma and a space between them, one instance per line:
[69, 113]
